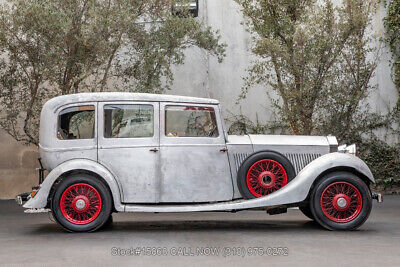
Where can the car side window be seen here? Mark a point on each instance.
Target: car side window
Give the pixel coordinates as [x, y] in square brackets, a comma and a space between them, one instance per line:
[190, 121]
[128, 121]
[76, 123]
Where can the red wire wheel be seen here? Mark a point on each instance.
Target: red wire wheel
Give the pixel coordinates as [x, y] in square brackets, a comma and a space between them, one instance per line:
[341, 202]
[80, 204]
[265, 176]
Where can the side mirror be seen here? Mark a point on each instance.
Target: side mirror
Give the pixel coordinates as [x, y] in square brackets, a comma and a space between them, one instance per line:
[192, 6]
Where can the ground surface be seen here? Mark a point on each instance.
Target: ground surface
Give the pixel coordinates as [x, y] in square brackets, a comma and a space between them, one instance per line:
[35, 240]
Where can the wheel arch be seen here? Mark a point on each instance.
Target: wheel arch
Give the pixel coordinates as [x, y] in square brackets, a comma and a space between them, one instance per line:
[349, 169]
[66, 174]
[74, 166]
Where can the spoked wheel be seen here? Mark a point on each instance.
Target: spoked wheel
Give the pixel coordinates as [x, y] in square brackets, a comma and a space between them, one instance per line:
[341, 201]
[264, 173]
[265, 176]
[81, 203]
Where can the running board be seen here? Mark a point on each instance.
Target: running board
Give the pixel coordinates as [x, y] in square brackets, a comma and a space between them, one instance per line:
[285, 196]
[231, 206]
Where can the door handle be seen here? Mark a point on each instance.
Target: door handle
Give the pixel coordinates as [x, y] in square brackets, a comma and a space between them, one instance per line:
[223, 149]
[154, 150]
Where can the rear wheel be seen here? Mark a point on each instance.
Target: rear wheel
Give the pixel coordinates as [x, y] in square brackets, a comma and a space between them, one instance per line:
[81, 203]
[341, 201]
[264, 173]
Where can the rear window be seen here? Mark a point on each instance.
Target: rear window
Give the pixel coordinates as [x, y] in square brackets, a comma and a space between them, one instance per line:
[190, 121]
[76, 123]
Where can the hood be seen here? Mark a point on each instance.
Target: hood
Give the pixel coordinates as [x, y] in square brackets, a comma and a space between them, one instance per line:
[286, 140]
[294, 140]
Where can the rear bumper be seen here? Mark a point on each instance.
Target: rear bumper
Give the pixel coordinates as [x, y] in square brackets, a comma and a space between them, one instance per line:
[22, 198]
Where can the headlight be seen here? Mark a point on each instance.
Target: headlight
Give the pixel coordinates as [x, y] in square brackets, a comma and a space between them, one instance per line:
[351, 149]
[333, 143]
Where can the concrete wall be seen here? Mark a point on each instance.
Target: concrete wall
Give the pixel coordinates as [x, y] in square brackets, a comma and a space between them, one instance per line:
[205, 77]
[17, 167]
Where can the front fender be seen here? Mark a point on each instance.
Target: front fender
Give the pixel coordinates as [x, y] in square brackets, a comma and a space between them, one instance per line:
[298, 189]
[40, 199]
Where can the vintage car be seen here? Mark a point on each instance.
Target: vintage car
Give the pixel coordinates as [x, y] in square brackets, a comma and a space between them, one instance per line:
[130, 152]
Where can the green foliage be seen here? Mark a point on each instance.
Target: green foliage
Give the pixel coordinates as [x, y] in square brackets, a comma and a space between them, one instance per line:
[384, 161]
[316, 57]
[313, 55]
[241, 124]
[392, 26]
[56, 47]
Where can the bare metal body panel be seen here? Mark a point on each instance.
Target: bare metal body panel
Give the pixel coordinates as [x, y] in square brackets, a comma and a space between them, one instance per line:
[194, 169]
[295, 192]
[131, 161]
[189, 173]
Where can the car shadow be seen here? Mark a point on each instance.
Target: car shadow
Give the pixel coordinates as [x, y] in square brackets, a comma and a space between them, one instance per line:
[196, 225]
[226, 225]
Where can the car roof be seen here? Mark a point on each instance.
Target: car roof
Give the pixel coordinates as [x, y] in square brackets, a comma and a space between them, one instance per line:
[58, 101]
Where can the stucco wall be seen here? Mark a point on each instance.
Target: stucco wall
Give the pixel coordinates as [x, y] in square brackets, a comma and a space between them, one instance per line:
[205, 77]
[17, 167]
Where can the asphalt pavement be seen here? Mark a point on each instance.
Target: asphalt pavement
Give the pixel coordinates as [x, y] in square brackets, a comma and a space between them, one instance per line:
[247, 238]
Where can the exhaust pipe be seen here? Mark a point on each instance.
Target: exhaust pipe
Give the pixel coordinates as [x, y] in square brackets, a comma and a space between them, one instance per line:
[377, 196]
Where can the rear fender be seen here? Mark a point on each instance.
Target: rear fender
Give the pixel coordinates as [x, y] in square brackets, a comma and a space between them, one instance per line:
[40, 199]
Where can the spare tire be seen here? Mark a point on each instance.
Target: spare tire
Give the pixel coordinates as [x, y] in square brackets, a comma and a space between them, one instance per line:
[263, 173]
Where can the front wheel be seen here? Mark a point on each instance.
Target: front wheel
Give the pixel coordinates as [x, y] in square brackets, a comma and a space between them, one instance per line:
[81, 203]
[341, 201]
[306, 210]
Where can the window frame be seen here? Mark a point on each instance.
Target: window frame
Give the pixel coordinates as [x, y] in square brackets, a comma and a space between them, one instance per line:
[76, 105]
[185, 141]
[128, 104]
[189, 105]
[111, 143]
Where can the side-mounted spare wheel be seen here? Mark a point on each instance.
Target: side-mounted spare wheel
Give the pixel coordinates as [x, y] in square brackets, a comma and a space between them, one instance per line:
[263, 173]
[341, 201]
[81, 203]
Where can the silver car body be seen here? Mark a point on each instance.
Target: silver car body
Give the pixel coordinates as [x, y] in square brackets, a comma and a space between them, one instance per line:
[185, 174]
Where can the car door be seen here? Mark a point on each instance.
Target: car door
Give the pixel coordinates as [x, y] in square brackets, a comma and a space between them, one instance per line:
[194, 162]
[128, 140]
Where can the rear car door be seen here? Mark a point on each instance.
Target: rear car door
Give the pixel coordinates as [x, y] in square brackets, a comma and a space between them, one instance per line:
[128, 140]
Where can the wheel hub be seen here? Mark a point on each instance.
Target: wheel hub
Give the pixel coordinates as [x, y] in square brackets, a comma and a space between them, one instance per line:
[267, 179]
[341, 202]
[265, 176]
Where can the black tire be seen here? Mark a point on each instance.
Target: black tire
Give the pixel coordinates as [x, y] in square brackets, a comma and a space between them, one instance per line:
[246, 165]
[306, 210]
[109, 223]
[87, 181]
[364, 202]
